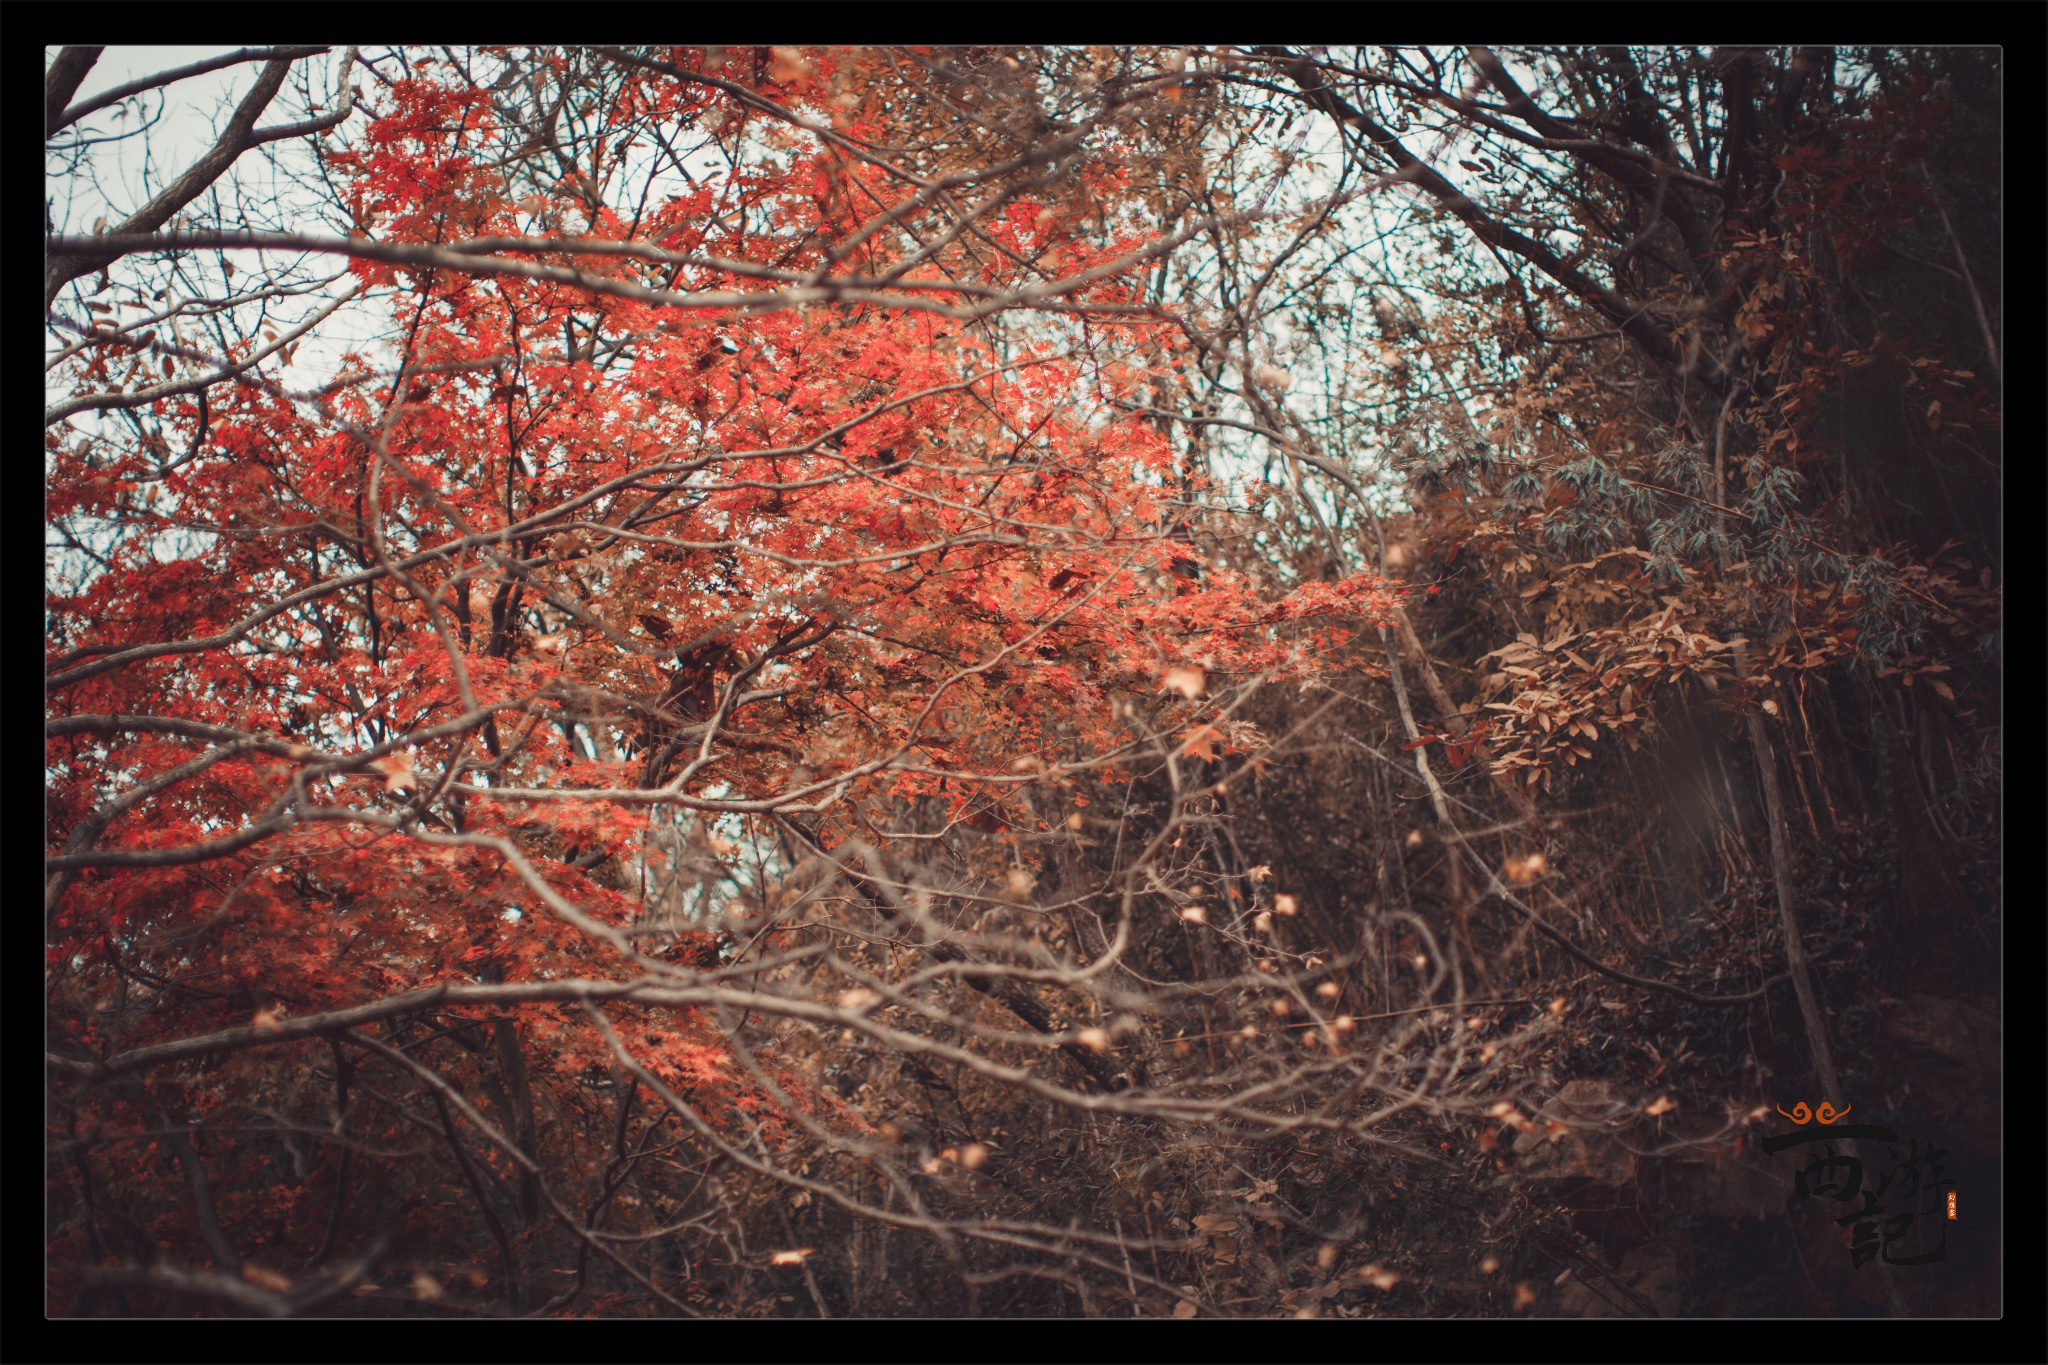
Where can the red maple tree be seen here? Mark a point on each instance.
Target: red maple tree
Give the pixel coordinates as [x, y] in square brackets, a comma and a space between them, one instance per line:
[716, 523]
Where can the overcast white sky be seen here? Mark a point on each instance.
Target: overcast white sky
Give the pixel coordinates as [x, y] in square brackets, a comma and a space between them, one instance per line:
[119, 64]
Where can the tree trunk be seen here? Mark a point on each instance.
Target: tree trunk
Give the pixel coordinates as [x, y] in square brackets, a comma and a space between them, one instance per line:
[523, 1131]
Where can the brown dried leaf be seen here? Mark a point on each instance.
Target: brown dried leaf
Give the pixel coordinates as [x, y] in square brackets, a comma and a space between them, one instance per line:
[397, 770]
[263, 1277]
